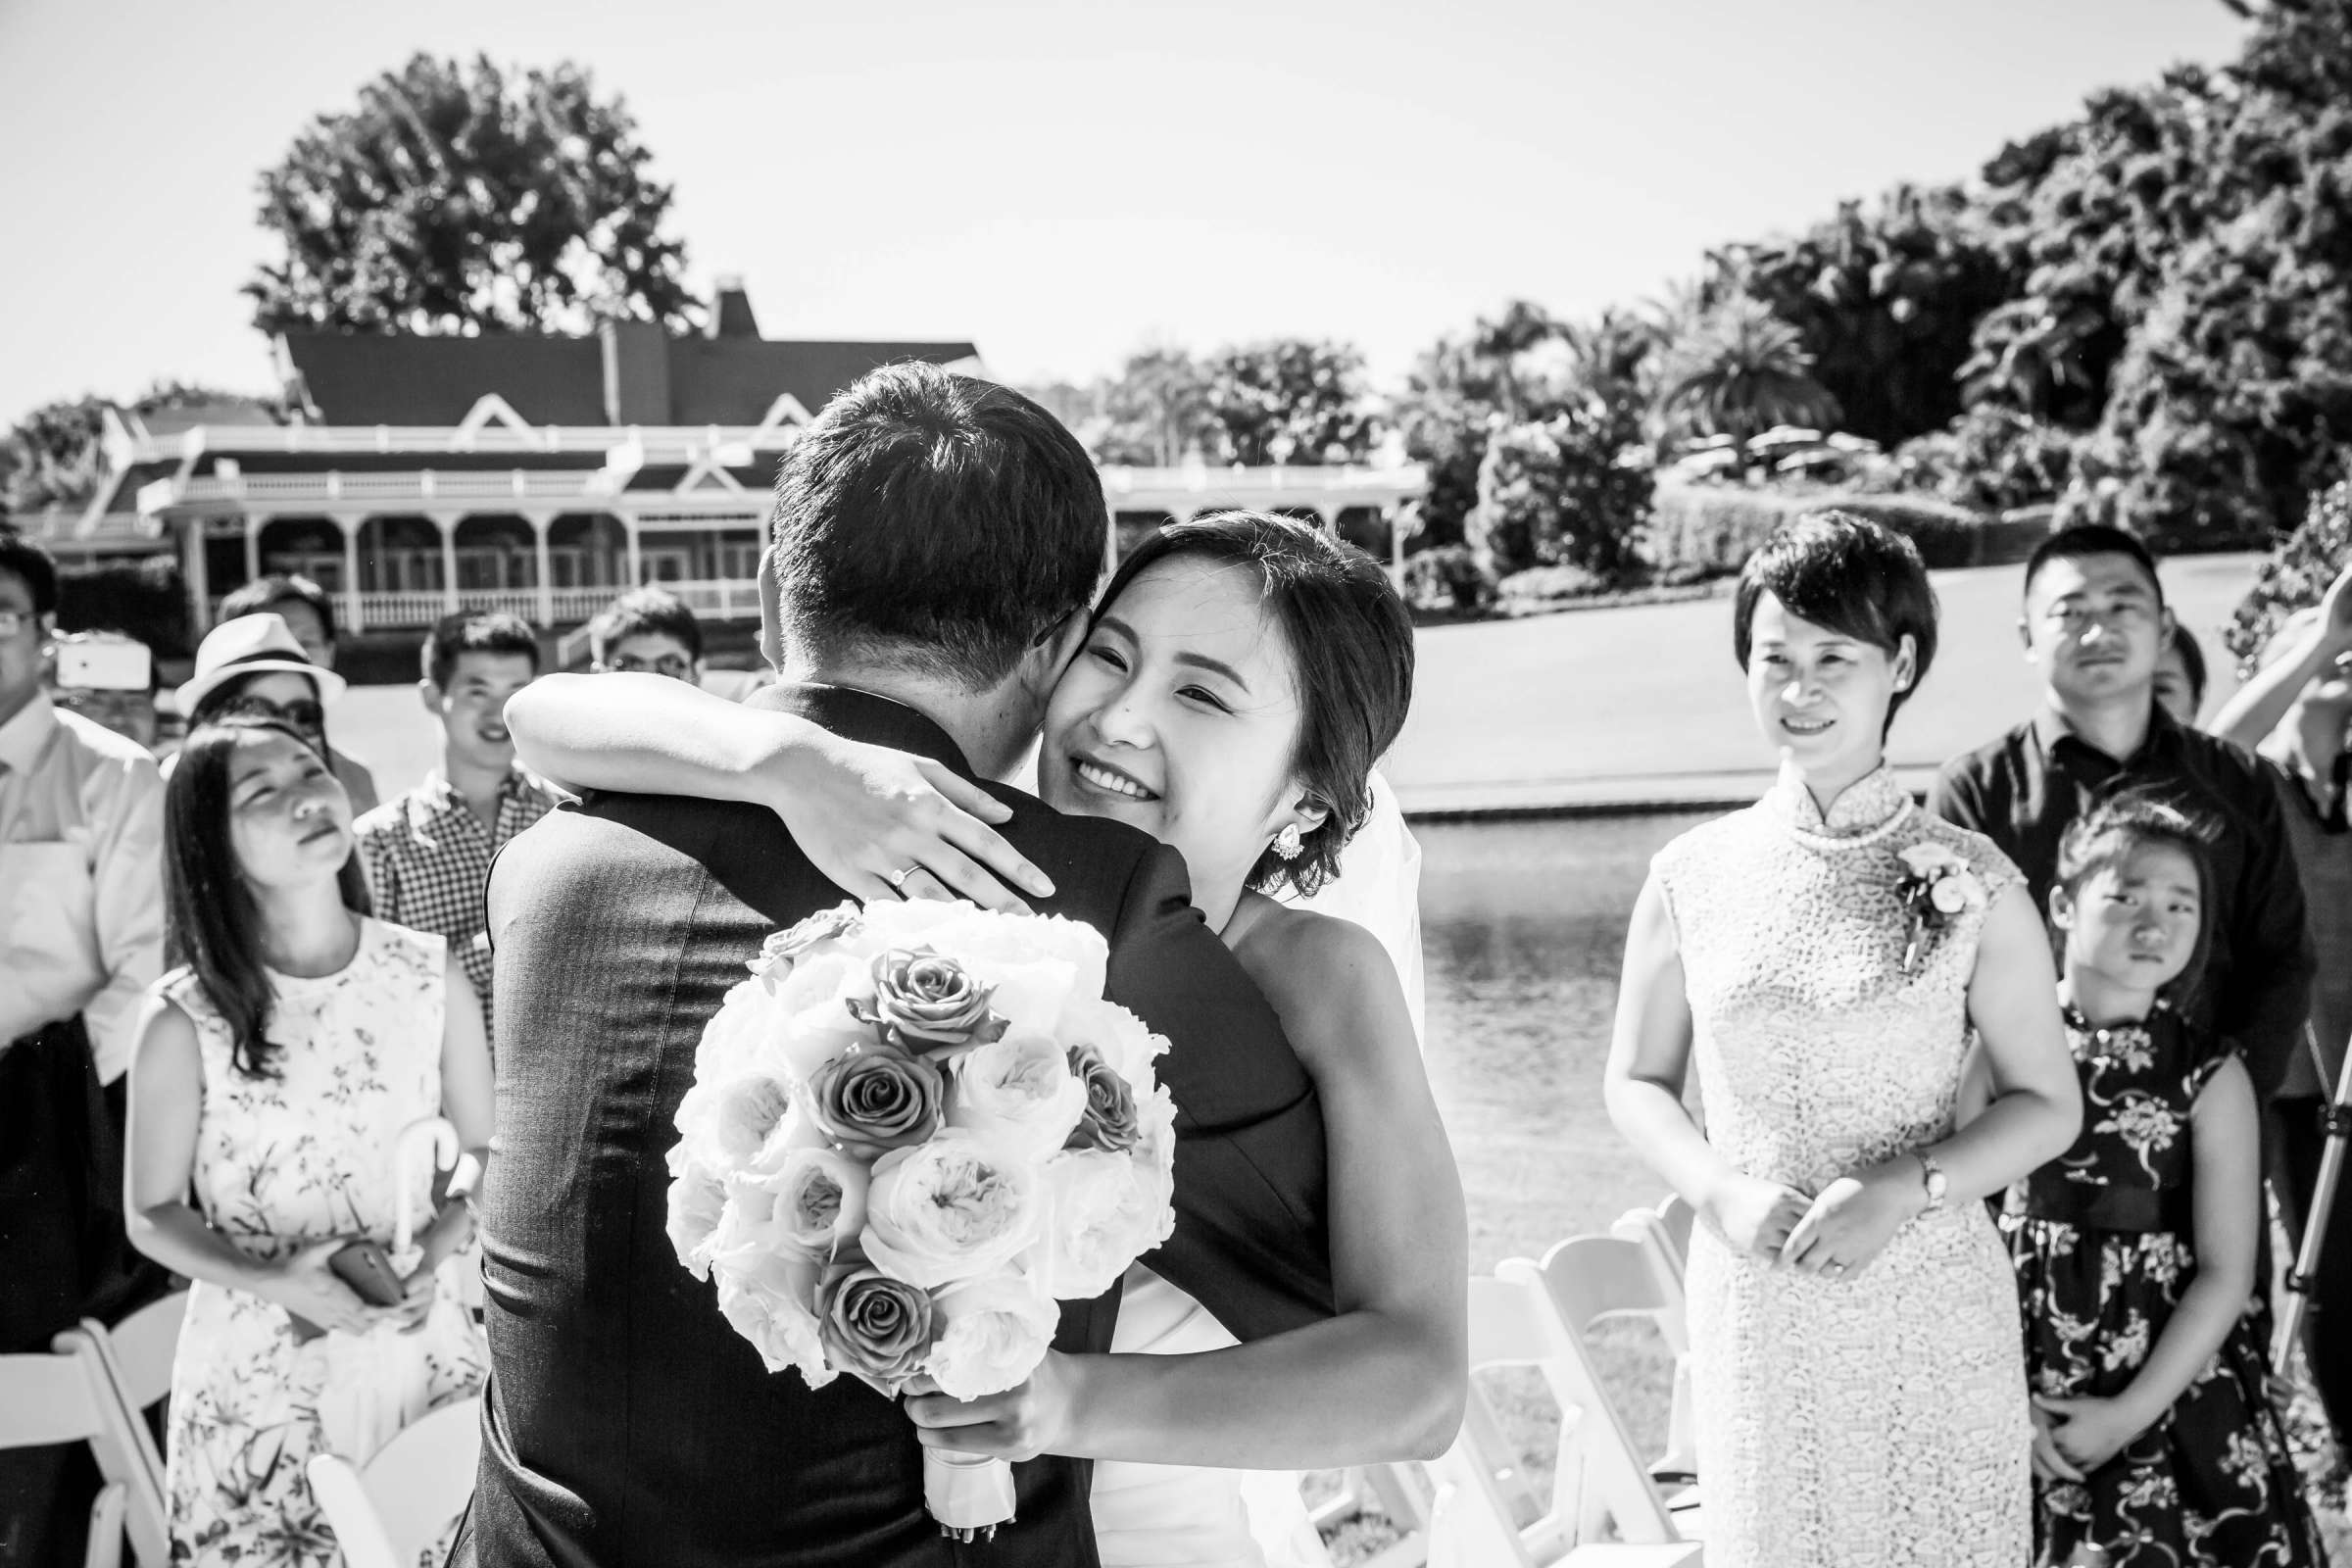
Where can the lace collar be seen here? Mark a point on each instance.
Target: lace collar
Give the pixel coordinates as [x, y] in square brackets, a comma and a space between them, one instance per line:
[1866, 811]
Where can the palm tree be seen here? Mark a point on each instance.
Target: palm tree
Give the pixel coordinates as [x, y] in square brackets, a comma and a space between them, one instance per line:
[1738, 370]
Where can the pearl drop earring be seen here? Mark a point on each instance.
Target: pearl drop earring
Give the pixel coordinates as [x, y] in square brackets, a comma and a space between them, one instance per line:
[1287, 843]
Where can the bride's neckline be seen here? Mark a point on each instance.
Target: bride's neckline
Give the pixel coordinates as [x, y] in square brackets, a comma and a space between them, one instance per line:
[1864, 813]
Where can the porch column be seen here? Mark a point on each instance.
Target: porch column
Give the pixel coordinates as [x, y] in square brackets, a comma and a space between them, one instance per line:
[253, 546]
[197, 571]
[1393, 516]
[1110, 538]
[350, 522]
[447, 522]
[636, 553]
[541, 567]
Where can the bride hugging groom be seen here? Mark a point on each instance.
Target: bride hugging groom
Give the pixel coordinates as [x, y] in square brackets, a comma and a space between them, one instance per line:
[936, 543]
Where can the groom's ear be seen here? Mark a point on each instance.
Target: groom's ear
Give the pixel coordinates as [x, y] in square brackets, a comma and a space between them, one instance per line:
[1050, 654]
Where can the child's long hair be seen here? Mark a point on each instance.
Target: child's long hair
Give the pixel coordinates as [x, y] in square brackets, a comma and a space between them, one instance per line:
[2102, 837]
[214, 922]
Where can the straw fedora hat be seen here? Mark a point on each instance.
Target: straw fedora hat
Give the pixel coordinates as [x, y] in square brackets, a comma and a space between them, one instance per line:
[252, 645]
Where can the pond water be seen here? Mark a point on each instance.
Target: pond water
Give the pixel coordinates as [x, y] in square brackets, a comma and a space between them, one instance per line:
[1523, 926]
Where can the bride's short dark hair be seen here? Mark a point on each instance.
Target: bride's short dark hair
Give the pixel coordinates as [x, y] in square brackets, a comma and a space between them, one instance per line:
[1855, 576]
[1351, 649]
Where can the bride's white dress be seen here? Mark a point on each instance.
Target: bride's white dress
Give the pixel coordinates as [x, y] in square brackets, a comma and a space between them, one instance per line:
[1185, 1516]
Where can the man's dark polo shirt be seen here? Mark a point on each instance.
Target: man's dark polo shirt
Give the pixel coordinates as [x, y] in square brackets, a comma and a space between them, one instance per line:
[2025, 790]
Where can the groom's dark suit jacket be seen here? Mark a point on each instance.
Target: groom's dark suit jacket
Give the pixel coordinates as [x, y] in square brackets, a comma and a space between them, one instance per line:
[627, 1423]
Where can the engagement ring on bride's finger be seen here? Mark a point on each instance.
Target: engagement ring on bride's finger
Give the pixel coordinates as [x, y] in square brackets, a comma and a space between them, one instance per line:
[898, 879]
[1834, 1270]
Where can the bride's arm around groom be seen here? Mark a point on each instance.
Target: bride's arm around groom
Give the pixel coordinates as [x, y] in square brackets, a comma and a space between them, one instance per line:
[1384, 1378]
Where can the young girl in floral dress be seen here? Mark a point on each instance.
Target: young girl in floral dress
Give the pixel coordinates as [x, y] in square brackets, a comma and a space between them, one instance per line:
[2156, 1441]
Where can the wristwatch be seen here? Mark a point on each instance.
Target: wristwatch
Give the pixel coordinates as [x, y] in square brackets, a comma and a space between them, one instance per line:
[1932, 1175]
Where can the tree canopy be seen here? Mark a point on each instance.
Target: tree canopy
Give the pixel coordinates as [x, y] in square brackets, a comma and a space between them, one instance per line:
[459, 199]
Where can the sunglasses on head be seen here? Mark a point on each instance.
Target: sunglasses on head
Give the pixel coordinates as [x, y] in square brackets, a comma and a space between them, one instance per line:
[304, 714]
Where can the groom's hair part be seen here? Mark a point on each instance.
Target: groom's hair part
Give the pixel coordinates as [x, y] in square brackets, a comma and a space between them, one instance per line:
[935, 523]
[1351, 641]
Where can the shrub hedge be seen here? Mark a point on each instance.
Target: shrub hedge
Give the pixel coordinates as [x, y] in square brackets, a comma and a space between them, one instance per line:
[1716, 527]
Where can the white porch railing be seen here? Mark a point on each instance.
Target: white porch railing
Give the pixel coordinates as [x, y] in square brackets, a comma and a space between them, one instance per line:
[731, 599]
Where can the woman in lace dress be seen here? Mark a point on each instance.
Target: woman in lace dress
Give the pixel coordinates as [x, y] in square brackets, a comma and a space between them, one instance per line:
[1823, 956]
[274, 1075]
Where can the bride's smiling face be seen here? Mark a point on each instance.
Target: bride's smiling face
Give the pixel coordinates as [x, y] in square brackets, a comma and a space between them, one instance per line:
[1180, 715]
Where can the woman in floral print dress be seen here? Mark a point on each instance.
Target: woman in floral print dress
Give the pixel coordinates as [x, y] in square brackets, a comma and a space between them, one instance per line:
[276, 1073]
[2156, 1439]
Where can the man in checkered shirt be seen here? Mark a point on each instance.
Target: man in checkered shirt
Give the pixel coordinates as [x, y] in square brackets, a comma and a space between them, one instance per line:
[427, 852]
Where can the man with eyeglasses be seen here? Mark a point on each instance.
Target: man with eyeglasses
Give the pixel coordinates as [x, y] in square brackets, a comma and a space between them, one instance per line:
[81, 937]
[647, 631]
[2095, 625]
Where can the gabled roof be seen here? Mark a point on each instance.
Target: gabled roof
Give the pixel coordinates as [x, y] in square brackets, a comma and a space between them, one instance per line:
[358, 379]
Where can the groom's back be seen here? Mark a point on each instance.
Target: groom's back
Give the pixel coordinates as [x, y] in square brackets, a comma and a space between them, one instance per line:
[629, 1422]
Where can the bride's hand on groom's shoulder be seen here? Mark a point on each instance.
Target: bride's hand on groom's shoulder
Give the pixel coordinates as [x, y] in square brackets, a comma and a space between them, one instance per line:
[1018, 1424]
[884, 823]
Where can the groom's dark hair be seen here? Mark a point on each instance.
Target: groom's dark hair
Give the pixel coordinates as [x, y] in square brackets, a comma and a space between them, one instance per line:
[934, 522]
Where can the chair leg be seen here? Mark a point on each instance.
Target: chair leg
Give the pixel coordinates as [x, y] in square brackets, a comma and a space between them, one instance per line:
[105, 1549]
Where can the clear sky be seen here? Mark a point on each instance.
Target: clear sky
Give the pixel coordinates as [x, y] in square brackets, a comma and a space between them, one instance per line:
[1059, 183]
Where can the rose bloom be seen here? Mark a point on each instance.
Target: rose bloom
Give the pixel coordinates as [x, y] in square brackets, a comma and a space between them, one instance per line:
[783, 948]
[1108, 1122]
[1103, 1212]
[697, 1200]
[955, 1207]
[993, 1332]
[929, 1000]
[748, 1109]
[768, 1300]
[816, 1199]
[1948, 895]
[874, 1326]
[876, 1099]
[1018, 1090]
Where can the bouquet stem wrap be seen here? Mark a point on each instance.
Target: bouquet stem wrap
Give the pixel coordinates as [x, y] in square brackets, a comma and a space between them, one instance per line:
[967, 1494]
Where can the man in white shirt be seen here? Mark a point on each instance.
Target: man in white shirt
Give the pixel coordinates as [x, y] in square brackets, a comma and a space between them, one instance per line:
[81, 936]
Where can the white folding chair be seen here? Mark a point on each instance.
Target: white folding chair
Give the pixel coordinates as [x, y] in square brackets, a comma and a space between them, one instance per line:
[1595, 1279]
[1483, 1491]
[137, 1353]
[65, 1398]
[385, 1513]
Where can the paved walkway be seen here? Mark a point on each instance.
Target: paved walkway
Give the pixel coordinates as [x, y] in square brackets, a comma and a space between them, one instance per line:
[1595, 710]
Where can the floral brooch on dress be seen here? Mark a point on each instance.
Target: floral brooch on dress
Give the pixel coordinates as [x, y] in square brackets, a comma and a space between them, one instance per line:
[1937, 885]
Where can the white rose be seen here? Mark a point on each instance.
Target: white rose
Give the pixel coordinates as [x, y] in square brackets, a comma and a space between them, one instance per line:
[770, 1301]
[1948, 895]
[809, 1200]
[734, 1031]
[809, 1024]
[949, 1209]
[697, 1200]
[1019, 1090]
[1103, 1212]
[994, 1330]
[747, 1110]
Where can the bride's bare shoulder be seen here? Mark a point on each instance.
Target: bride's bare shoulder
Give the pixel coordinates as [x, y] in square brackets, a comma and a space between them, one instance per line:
[1326, 977]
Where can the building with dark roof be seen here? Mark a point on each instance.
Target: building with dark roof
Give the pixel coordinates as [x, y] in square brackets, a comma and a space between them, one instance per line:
[543, 474]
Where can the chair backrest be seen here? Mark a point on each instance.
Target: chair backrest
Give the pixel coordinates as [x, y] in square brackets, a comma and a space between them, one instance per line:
[1611, 1484]
[49, 1398]
[1597, 1480]
[409, 1492]
[143, 1346]
[68, 1396]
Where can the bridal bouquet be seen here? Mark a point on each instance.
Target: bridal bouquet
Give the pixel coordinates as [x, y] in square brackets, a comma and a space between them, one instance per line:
[913, 1130]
